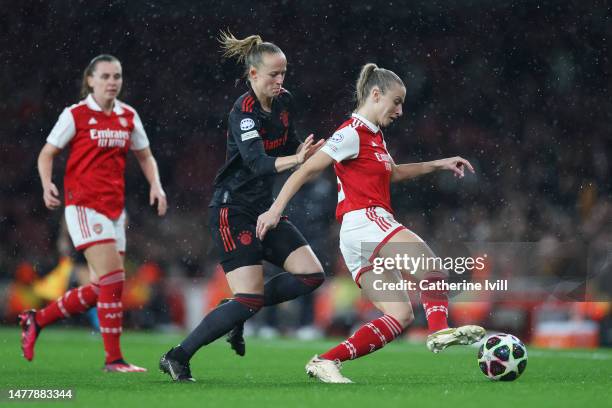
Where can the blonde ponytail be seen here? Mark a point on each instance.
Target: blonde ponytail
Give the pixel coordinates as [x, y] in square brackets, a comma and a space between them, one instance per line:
[240, 49]
[369, 77]
[248, 50]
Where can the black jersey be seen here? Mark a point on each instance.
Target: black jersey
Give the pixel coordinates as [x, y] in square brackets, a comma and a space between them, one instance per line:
[255, 138]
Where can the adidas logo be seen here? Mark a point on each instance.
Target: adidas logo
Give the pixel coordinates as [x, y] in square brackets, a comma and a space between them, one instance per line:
[374, 144]
[92, 121]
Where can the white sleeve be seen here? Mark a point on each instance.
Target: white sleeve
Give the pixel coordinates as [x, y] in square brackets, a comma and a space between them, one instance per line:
[63, 131]
[344, 144]
[139, 139]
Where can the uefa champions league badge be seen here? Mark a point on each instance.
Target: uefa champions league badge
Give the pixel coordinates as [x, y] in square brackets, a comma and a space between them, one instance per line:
[336, 138]
[247, 124]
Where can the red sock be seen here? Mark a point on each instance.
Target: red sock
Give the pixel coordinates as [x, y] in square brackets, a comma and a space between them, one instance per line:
[369, 338]
[110, 313]
[75, 301]
[435, 304]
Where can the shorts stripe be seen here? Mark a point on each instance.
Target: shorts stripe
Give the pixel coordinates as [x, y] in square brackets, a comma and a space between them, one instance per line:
[85, 222]
[224, 229]
[222, 232]
[81, 222]
[227, 226]
[367, 214]
[382, 220]
[372, 216]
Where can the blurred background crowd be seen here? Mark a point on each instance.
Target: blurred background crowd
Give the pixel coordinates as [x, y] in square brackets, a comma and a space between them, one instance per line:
[521, 89]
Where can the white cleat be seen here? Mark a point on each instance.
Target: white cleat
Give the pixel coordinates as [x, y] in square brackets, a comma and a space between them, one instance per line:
[438, 341]
[328, 371]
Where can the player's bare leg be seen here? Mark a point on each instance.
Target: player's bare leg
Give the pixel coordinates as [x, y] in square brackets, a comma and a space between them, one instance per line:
[435, 302]
[107, 264]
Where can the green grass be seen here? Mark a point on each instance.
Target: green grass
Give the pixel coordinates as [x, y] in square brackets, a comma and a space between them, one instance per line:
[272, 375]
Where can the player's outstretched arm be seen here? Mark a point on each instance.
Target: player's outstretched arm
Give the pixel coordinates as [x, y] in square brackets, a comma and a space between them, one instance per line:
[45, 171]
[311, 168]
[148, 165]
[409, 171]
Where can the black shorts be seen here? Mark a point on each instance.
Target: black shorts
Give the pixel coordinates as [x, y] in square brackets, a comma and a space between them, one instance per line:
[233, 233]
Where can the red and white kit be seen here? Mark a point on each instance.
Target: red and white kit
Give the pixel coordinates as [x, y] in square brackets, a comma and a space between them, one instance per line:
[94, 184]
[363, 168]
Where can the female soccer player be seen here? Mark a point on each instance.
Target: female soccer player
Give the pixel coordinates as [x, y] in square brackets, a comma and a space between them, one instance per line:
[99, 131]
[261, 142]
[365, 170]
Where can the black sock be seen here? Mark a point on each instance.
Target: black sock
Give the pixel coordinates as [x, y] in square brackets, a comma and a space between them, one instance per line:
[286, 286]
[218, 322]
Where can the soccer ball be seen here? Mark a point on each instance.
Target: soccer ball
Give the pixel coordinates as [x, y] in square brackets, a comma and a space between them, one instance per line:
[502, 357]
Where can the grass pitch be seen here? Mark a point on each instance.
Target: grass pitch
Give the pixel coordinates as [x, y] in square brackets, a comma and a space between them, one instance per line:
[272, 375]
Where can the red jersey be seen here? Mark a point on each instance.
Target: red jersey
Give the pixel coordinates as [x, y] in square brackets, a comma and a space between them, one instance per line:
[98, 148]
[363, 166]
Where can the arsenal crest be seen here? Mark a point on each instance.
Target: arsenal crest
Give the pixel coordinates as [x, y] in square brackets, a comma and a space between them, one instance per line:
[97, 228]
[123, 121]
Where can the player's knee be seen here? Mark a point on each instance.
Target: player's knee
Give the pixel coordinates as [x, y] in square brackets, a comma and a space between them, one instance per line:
[254, 302]
[311, 280]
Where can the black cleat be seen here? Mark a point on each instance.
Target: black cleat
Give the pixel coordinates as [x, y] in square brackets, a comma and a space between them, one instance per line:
[235, 336]
[175, 369]
[236, 340]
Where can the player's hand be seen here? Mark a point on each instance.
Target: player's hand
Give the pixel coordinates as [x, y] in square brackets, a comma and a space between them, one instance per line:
[51, 196]
[265, 222]
[455, 164]
[303, 149]
[313, 148]
[158, 195]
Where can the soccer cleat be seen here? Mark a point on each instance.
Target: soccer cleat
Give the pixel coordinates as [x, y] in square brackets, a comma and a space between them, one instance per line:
[236, 340]
[175, 369]
[328, 371]
[121, 366]
[29, 333]
[235, 337]
[438, 341]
